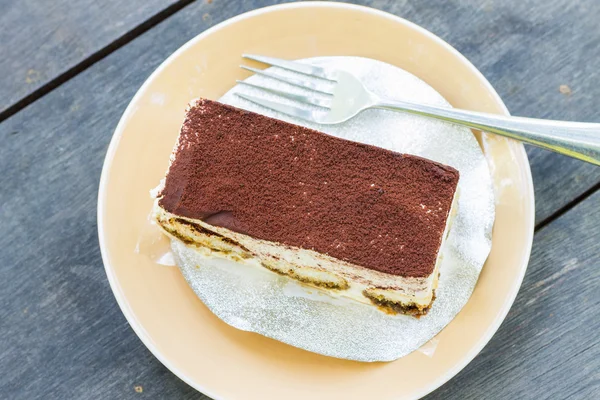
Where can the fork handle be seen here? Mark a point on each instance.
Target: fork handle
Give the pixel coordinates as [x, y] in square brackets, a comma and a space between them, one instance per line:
[576, 139]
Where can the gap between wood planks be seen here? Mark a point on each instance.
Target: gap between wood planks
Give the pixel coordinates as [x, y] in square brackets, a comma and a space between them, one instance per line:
[566, 208]
[94, 58]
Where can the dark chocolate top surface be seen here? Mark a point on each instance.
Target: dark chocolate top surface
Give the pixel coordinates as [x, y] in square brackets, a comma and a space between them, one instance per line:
[280, 182]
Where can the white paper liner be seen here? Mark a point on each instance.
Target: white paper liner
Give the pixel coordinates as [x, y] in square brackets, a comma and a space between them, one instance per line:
[255, 299]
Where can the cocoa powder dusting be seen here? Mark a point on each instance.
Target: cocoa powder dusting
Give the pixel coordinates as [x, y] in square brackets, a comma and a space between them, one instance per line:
[288, 184]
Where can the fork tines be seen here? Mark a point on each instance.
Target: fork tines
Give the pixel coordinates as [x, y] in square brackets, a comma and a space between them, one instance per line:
[315, 83]
[305, 69]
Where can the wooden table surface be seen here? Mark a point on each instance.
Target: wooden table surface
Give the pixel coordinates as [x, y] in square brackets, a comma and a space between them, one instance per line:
[67, 72]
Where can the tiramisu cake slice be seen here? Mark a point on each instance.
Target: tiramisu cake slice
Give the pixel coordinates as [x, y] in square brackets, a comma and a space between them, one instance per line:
[364, 222]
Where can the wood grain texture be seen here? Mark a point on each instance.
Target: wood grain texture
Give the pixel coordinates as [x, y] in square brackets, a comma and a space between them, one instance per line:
[40, 40]
[63, 335]
[548, 347]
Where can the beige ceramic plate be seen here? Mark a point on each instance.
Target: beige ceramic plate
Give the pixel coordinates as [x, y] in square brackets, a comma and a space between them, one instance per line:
[226, 363]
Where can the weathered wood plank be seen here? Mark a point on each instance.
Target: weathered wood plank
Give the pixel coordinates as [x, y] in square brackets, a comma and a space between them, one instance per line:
[64, 334]
[548, 347]
[558, 180]
[40, 39]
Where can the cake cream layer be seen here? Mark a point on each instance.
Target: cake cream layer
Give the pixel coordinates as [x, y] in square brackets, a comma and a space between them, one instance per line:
[395, 294]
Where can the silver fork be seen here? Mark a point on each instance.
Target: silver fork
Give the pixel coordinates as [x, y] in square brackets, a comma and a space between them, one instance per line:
[348, 97]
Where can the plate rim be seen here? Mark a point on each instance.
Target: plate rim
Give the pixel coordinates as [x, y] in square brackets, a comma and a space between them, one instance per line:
[130, 316]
